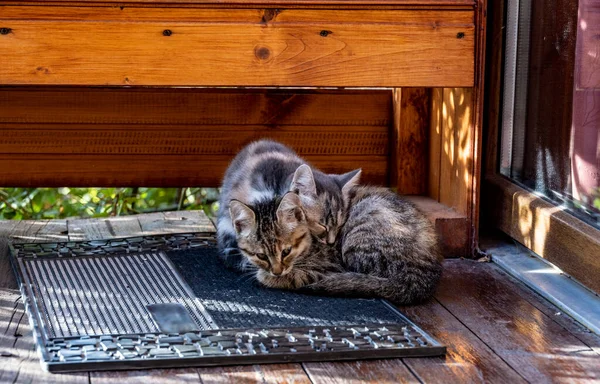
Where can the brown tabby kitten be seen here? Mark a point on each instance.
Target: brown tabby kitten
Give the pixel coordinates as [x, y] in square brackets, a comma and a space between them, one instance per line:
[388, 249]
[274, 235]
[265, 170]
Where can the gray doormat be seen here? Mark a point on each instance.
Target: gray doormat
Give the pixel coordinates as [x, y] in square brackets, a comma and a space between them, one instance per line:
[166, 301]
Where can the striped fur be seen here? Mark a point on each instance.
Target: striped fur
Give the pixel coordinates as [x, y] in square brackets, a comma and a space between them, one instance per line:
[266, 170]
[388, 249]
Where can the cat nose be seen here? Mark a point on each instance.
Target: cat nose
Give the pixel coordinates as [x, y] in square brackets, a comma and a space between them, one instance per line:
[277, 270]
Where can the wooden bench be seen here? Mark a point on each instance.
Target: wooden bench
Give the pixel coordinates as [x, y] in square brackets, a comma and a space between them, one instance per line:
[164, 93]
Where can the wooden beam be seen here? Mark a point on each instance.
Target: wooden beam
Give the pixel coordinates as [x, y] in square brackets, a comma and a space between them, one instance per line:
[410, 141]
[452, 228]
[285, 48]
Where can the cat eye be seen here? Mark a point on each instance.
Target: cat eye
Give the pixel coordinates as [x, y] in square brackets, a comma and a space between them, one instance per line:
[286, 252]
[262, 256]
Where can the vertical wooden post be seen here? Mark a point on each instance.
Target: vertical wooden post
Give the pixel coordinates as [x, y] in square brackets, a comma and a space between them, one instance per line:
[410, 148]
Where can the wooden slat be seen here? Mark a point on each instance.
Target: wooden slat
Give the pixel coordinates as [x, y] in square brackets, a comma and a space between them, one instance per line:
[436, 128]
[457, 149]
[304, 52]
[153, 171]
[268, 374]
[268, 15]
[39, 231]
[546, 229]
[376, 371]
[409, 144]
[103, 229]
[467, 360]
[175, 222]
[152, 376]
[97, 137]
[271, 3]
[531, 342]
[20, 362]
[195, 107]
[211, 140]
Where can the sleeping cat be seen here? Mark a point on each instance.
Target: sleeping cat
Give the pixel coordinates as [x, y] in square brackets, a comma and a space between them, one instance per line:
[275, 237]
[265, 170]
[387, 248]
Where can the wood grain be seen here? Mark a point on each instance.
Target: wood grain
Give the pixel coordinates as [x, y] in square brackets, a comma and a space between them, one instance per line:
[103, 229]
[468, 359]
[436, 128]
[451, 227]
[175, 222]
[495, 329]
[152, 171]
[410, 140]
[302, 52]
[269, 374]
[272, 3]
[532, 343]
[149, 376]
[207, 107]
[184, 137]
[456, 165]
[373, 371]
[20, 362]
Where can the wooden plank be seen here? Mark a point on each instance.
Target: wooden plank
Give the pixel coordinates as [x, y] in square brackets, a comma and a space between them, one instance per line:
[457, 150]
[371, 371]
[194, 140]
[175, 222]
[156, 108]
[411, 123]
[436, 128]
[272, 373]
[20, 362]
[352, 52]
[38, 231]
[532, 343]
[271, 16]
[101, 229]
[468, 359]
[272, 3]
[149, 376]
[452, 228]
[152, 171]
[547, 230]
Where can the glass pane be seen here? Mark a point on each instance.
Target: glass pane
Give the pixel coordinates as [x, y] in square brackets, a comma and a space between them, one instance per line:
[551, 113]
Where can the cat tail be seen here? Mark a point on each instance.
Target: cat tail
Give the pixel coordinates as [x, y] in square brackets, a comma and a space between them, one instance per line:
[352, 284]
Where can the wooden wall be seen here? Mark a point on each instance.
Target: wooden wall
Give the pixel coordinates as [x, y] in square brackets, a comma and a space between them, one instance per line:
[182, 137]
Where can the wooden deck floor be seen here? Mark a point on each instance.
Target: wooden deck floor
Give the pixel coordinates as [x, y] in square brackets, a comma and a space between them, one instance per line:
[496, 329]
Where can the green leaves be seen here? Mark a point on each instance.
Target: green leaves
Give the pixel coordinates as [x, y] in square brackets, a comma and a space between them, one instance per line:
[58, 203]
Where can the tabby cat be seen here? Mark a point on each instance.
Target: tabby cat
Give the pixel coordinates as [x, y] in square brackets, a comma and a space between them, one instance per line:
[387, 248]
[265, 170]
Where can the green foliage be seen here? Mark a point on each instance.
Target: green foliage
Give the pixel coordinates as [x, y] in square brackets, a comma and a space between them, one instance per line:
[58, 203]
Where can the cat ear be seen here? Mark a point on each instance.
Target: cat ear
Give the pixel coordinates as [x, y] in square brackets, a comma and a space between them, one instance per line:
[303, 182]
[349, 180]
[290, 212]
[242, 217]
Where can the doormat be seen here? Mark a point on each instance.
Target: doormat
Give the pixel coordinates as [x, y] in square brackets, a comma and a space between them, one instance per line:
[167, 301]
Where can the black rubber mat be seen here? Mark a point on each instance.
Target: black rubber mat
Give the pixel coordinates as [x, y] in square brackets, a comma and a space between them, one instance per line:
[237, 301]
[166, 301]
